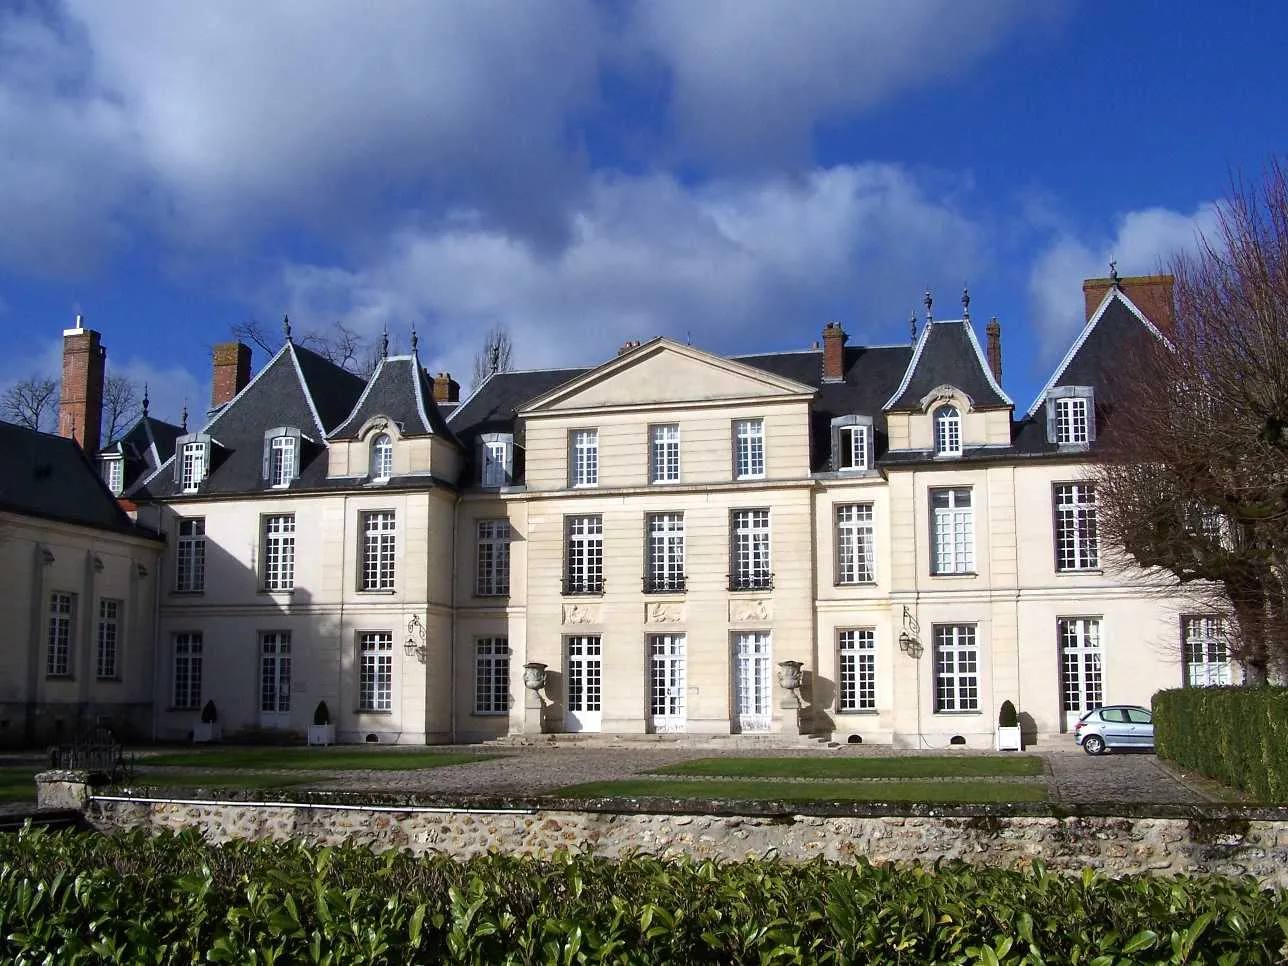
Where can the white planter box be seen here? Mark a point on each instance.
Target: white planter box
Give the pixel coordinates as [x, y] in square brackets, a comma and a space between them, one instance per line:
[1009, 739]
[203, 732]
[322, 734]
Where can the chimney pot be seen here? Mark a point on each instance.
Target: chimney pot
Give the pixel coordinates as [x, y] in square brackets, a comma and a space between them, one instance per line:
[231, 372]
[834, 339]
[994, 330]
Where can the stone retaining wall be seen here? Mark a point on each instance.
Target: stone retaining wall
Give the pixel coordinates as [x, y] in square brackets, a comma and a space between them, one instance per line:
[1171, 841]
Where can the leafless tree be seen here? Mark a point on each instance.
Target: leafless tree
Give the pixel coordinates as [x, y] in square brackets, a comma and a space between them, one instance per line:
[33, 403]
[341, 344]
[1192, 476]
[122, 403]
[494, 356]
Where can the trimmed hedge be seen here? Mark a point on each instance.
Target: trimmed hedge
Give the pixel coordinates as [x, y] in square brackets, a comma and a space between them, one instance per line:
[84, 898]
[1237, 735]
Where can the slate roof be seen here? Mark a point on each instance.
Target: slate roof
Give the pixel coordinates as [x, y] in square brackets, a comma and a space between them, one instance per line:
[143, 448]
[948, 353]
[491, 408]
[47, 476]
[401, 390]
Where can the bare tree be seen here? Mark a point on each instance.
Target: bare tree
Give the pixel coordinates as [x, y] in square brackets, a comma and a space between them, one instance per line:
[33, 403]
[494, 356]
[341, 344]
[1192, 476]
[122, 404]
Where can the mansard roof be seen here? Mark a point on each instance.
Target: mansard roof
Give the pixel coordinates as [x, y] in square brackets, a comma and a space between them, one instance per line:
[947, 354]
[401, 390]
[493, 406]
[143, 448]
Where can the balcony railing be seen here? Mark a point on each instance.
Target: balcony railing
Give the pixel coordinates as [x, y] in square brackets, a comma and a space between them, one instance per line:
[658, 584]
[751, 581]
[573, 586]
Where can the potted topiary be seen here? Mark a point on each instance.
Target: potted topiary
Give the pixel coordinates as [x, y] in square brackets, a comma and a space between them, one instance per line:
[207, 729]
[1008, 728]
[321, 731]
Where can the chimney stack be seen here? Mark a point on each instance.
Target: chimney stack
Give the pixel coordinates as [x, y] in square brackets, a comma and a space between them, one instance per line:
[80, 405]
[231, 372]
[628, 345]
[446, 389]
[834, 352]
[994, 330]
[1152, 294]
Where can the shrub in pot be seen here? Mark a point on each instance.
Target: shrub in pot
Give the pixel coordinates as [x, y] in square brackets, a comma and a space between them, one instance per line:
[322, 731]
[208, 728]
[1008, 728]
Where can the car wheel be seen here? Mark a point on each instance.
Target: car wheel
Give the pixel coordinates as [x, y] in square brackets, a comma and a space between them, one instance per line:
[1093, 745]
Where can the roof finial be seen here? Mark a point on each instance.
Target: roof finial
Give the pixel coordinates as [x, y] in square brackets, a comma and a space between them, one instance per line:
[384, 342]
[286, 327]
[145, 399]
[965, 301]
[1113, 272]
[928, 302]
[183, 417]
[415, 339]
[912, 326]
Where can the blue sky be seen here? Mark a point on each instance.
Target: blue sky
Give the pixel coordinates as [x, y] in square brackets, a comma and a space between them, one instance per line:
[733, 172]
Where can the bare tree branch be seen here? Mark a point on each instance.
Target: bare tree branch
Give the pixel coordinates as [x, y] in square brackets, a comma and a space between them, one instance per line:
[494, 356]
[122, 404]
[33, 403]
[341, 344]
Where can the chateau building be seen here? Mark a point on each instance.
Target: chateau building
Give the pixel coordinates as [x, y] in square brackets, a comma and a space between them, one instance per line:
[845, 541]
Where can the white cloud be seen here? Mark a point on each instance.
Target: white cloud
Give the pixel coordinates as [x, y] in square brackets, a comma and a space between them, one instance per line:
[735, 266]
[1141, 244]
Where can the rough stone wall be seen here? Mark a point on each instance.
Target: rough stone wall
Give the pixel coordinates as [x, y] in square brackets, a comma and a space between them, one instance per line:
[1114, 846]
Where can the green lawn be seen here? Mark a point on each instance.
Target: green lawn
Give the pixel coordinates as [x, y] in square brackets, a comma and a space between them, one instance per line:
[938, 766]
[314, 759]
[784, 791]
[183, 779]
[18, 783]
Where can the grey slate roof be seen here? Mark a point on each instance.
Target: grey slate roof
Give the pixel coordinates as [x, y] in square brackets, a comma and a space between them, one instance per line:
[143, 448]
[401, 390]
[47, 476]
[491, 408]
[947, 353]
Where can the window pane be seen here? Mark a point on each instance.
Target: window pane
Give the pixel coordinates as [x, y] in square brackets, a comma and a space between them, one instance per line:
[376, 671]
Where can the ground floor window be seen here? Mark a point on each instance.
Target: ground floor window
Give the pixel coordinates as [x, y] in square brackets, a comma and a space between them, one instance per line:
[857, 670]
[375, 671]
[667, 681]
[109, 639]
[1207, 653]
[491, 675]
[956, 668]
[187, 669]
[275, 672]
[1082, 685]
[752, 687]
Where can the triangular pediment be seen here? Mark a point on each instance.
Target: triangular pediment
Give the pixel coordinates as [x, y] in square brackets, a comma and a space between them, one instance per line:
[662, 373]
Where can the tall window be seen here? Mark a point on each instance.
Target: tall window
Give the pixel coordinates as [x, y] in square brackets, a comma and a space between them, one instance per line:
[492, 578]
[1077, 539]
[491, 675]
[109, 639]
[1082, 684]
[376, 671]
[496, 451]
[749, 449]
[855, 544]
[1071, 421]
[854, 441]
[665, 553]
[275, 672]
[382, 458]
[193, 472]
[190, 556]
[948, 431]
[379, 543]
[585, 457]
[956, 668]
[279, 552]
[750, 551]
[1207, 653]
[857, 665]
[584, 555]
[664, 459]
[113, 471]
[281, 461]
[62, 609]
[187, 669]
[952, 531]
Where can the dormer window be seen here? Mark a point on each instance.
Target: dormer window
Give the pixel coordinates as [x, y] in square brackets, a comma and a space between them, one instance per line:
[112, 470]
[382, 458]
[1071, 416]
[281, 456]
[948, 431]
[852, 443]
[191, 461]
[496, 460]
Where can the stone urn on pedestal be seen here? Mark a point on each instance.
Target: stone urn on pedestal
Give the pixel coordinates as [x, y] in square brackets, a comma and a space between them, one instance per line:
[534, 704]
[791, 678]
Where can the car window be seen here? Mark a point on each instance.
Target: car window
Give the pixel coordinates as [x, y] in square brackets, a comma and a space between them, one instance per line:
[1115, 715]
[1137, 716]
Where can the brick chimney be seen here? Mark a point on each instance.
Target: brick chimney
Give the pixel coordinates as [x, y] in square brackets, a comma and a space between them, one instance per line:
[231, 372]
[1152, 294]
[446, 389]
[994, 331]
[834, 352]
[80, 405]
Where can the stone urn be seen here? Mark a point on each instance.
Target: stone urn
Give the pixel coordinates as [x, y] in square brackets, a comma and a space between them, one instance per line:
[791, 676]
[534, 676]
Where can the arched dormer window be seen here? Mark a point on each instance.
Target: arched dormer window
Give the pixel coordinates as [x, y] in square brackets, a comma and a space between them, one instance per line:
[382, 457]
[948, 431]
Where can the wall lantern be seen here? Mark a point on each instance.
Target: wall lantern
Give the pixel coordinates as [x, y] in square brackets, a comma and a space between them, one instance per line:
[414, 646]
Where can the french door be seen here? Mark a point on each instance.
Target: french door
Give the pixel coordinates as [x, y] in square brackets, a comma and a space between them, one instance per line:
[275, 679]
[752, 685]
[584, 677]
[667, 682]
[1082, 686]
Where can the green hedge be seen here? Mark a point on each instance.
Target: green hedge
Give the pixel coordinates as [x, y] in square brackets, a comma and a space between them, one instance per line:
[83, 898]
[1239, 736]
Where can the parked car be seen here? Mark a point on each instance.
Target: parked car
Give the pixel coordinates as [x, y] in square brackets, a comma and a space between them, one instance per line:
[1115, 726]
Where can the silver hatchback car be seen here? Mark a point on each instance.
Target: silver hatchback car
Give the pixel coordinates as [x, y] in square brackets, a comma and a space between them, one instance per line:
[1115, 726]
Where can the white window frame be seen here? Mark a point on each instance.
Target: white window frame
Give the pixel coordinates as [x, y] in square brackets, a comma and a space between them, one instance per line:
[852, 444]
[855, 544]
[112, 469]
[277, 554]
[281, 461]
[107, 663]
[492, 573]
[751, 563]
[491, 675]
[1206, 651]
[584, 554]
[664, 533]
[952, 531]
[664, 453]
[856, 678]
[496, 460]
[194, 465]
[186, 692]
[62, 634]
[379, 530]
[957, 663]
[190, 556]
[947, 421]
[1071, 416]
[275, 672]
[583, 456]
[749, 449]
[382, 458]
[1077, 531]
[375, 672]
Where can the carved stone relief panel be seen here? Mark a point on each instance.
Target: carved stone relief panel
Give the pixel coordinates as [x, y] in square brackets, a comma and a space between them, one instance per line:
[750, 610]
[581, 613]
[662, 613]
